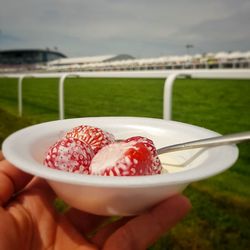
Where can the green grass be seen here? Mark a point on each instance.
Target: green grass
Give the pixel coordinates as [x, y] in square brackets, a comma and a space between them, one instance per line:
[85, 97]
[221, 204]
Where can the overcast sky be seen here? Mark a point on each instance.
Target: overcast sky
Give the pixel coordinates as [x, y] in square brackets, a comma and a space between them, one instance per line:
[142, 28]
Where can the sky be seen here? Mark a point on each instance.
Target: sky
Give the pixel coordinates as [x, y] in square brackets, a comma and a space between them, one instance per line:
[141, 28]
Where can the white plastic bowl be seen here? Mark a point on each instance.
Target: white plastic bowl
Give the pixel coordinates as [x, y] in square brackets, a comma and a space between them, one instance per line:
[112, 195]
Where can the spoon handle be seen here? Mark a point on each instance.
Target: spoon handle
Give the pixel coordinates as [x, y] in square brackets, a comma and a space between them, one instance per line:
[208, 142]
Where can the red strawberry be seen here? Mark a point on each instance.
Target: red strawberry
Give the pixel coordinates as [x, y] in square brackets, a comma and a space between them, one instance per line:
[70, 154]
[156, 168]
[95, 137]
[123, 159]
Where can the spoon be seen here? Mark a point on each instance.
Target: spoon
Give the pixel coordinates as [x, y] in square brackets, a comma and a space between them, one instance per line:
[207, 142]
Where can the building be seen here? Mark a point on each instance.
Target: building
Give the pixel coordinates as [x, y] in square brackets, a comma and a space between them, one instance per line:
[19, 57]
[89, 60]
[83, 63]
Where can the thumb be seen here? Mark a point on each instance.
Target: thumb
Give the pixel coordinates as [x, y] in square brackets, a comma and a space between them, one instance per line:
[143, 230]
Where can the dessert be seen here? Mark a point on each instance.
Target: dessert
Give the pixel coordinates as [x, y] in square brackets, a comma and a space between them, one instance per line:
[156, 167]
[130, 158]
[90, 150]
[70, 154]
[95, 137]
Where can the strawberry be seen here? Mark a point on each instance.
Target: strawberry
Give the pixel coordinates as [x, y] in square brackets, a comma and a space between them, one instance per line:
[156, 167]
[70, 154]
[95, 137]
[123, 159]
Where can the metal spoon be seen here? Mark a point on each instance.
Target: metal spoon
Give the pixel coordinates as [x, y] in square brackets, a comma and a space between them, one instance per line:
[208, 142]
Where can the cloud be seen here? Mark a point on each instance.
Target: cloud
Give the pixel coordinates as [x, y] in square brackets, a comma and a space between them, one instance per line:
[9, 39]
[143, 28]
[221, 33]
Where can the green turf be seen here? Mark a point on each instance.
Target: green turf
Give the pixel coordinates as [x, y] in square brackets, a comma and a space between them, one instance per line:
[221, 204]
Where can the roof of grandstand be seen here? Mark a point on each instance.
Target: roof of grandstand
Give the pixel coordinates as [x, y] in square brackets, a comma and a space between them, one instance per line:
[90, 59]
[28, 56]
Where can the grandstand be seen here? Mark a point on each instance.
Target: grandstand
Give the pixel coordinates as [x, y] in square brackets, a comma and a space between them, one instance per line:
[26, 59]
[124, 62]
[76, 63]
[118, 63]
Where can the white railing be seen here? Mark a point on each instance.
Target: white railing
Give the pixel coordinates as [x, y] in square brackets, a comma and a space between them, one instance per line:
[167, 96]
[168, 75]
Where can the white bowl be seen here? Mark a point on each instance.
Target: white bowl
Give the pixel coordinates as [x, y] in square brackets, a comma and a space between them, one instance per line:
[112, 195]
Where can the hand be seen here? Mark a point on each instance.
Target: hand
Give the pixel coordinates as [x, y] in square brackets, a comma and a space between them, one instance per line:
[28, 219]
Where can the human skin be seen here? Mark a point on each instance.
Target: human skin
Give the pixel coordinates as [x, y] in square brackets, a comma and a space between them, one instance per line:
[28, 218]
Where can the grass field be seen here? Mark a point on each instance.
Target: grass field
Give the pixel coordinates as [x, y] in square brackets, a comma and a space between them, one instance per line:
[221, 204]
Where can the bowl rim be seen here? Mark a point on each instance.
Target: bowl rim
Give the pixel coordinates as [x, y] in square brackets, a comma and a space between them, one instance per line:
[24, 162]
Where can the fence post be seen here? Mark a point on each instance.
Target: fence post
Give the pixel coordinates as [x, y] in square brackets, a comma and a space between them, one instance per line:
[20, 94]
[167, 94]
[61, 93]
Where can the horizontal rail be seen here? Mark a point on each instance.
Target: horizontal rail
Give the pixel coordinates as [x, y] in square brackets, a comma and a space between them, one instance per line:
[195, 73]
[169, 76]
